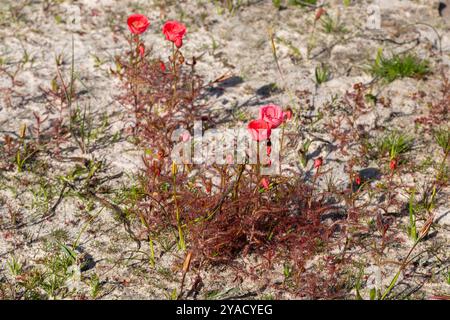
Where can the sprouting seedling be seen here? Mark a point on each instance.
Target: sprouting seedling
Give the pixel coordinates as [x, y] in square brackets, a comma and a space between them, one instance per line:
[322, 74]
[24, 152]
[98, 62]
[26, 57]
[14, 266]
[287, 271]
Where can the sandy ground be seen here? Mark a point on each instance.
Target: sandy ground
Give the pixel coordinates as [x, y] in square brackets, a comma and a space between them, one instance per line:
[234, 43]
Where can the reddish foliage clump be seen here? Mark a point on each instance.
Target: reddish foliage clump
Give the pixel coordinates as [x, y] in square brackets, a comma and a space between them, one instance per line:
[233, 214]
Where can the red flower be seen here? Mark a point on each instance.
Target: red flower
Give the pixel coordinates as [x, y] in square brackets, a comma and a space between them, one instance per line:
[358, 180]
[174, 31]
[137, 23]
[259, 129]
[265, 183]
[272, 114]
[393, 164]
[318, 162]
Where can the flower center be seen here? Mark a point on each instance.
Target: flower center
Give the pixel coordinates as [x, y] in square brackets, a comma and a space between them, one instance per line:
[138, 24]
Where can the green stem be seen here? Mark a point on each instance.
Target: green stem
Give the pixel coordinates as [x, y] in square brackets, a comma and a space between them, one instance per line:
[402, 267]
[442, 166]
[175, 73]
[152, 252]
[181, 243]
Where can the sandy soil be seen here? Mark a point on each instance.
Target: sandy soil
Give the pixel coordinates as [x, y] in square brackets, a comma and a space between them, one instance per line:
[33, 34]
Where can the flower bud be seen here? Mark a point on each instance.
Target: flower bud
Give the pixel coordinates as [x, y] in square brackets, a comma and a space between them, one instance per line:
[319, 13]
[265, 183]
[318, 162]
[393, 164]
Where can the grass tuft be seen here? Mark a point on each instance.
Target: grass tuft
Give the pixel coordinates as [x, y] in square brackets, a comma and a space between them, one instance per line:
[394, 144]
[399, 66]
[322, 74]
[442, 137]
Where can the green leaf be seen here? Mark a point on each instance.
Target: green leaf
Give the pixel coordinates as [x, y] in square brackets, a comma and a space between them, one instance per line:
[373, 293]
[69, 252]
